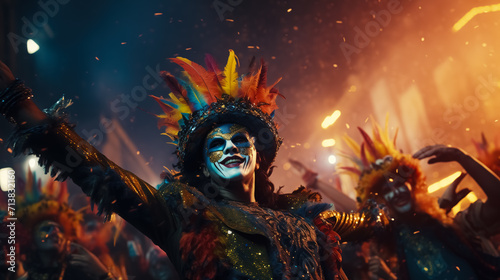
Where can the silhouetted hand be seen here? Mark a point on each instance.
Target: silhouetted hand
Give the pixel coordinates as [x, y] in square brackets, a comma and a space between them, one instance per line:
[440, 153]
[451, 197]
[87, 262]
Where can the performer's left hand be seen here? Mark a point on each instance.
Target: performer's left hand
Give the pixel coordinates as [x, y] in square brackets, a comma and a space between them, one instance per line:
[440, 153]
[87, 262]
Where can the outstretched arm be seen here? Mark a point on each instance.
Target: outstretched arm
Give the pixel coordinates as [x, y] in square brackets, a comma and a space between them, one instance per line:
[355, 226]
[68, 155]
[484, 177]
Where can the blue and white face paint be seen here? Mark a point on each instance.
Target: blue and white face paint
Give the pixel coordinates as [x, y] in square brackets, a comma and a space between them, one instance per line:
[230, 154]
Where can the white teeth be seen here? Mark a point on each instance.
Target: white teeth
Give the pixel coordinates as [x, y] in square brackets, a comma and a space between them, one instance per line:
[233, 161]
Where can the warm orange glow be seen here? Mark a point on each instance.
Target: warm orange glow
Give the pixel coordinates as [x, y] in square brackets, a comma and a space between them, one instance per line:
[471, 197]
[330, 119]
[472, 13]
[328, 143]
[444, 182]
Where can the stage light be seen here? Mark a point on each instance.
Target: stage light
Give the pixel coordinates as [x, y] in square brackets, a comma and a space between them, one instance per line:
[32, 162]
[5, 173]
[472, 13]
[332, 159]
[330, 119]
[444, 182]
[32, 46]
[328, 143]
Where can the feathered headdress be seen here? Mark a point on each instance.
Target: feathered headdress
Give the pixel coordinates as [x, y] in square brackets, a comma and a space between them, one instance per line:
[49, 202]
[202, 98]
[377, 161]
[488, 153]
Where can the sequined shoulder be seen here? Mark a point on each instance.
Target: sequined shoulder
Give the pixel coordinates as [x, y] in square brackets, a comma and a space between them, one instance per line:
[298, 198]
[176, 193]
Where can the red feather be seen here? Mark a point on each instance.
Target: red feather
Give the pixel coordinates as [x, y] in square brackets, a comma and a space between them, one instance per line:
[201, 248]
[263, 74]
[211, 64]
[173, 84]
[369, 143]
[201, 77]
[351, 169]
[248, 88]
[168, 122]
[366, 164]
[167, 109]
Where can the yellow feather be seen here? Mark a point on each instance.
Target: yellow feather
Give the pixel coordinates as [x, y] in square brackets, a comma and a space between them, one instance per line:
[230, 81]
[353, 145]
[183, 105]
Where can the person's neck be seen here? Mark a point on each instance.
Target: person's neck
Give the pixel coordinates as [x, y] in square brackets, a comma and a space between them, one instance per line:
[241, 191]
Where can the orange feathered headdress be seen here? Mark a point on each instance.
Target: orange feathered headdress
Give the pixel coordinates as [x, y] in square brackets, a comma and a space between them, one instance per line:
[202, 98]
[378, 161]
[49, 202]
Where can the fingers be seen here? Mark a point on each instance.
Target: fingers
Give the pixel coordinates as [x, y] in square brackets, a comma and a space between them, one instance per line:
[428, 151]
[457, 181]
[462, 193]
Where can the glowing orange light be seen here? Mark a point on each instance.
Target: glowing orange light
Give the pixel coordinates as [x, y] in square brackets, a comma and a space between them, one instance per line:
[328, 143]
[471, 197]
[158, 14]
[444, 182]
[330, 119]
[472, 13]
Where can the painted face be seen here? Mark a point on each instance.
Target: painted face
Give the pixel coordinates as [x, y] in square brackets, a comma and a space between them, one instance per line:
[398, 196]
[229, 153]
[49, 236]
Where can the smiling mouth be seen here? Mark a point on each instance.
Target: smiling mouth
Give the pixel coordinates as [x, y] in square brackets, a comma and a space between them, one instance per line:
[401, 200]
[233, 161]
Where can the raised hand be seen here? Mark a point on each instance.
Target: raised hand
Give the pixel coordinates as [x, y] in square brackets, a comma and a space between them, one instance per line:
[87, 262]
[451, 197]
[440, 153]
[484, 177]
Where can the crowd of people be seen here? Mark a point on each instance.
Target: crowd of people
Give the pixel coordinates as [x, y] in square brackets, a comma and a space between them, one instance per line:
[220, 216]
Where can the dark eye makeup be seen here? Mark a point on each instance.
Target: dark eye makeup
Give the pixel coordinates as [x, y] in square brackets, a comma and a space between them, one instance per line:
[216, 143]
